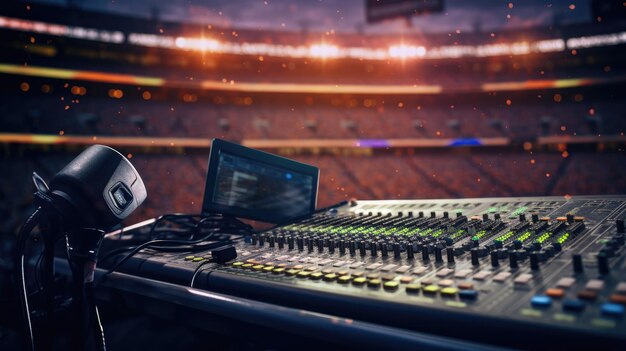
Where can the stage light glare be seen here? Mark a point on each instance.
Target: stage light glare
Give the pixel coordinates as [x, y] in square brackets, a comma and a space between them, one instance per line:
[324, 50]
[406, 51]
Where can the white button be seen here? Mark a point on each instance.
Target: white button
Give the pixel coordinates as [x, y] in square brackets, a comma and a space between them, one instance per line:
[500, 277]
[523, 278]
[463, 273]
[339, 263]
[403, 269]
[595, 284]
[373, 266]
[356, 264]
[419, 270]
[388, 267]
[566, 282]
[482, 275]
[444, 272]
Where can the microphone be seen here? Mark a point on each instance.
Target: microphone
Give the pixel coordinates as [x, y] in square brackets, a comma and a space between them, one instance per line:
[91, 194]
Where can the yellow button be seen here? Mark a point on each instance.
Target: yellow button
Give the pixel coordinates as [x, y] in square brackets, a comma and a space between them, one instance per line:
[247, 265]
[189, 258]
[258, 267]
[235, 264]
[292, 272]
[303, 274]
[359, 281]
[431, 289]
[278, 270]
[316, 275]
[391, 285]
[197, 259]
[268, 268]
[373, 283]
[344, 279]
[449, 291]
[413, 288]
[330, 276]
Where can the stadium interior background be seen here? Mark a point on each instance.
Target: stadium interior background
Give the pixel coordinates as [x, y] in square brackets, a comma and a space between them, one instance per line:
[411, 112]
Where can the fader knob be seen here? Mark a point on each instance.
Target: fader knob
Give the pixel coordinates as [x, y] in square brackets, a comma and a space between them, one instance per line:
[373, 249]
[438, 254]
[383, 249]
[494, 259]
[362, 250]
[485, 216]
[290, 242]
[522, 217]
[309, 245]
[272, 241]
[331, 247]
[450, 254]
[320, 246]
[300, 242]
[396, 251]
[433, 214]
[261, 240]
[513, 259]
[474, 256]
[535, 218]
[577, 261]
[496, 216]
[603, 264]
[425, 255]
[281, 242]
[409, 251]
[254, 239]
[446, 214]
[342, 247]
[534, 261]
[352, 247]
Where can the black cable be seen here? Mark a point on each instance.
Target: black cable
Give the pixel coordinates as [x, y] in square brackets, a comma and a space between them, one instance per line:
[22, 239]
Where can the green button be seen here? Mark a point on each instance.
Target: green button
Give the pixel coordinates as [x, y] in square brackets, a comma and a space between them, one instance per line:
[189, 258]
[247, 265]
[344, 279]
[374, 283]
[303, 274]
[235, 264]
[258, 267]
[330, 276]
[449, 291]
[278, 270]
[431, 289]
[413, 288]
[359, 281]
[197, 259]
[391, 285]
[316, 275]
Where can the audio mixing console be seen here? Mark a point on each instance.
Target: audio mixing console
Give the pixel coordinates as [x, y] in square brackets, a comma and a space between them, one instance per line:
[519, 272]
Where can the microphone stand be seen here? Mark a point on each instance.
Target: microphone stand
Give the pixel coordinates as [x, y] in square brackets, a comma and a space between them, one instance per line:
[82, 247]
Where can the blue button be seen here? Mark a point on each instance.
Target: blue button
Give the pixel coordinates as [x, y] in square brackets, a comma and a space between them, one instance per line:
[541, 301]
[468, 294]
[573, 305]
[612, 309]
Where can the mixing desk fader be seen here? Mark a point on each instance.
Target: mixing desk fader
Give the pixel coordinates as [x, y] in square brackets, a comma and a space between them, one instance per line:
[521, 272]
